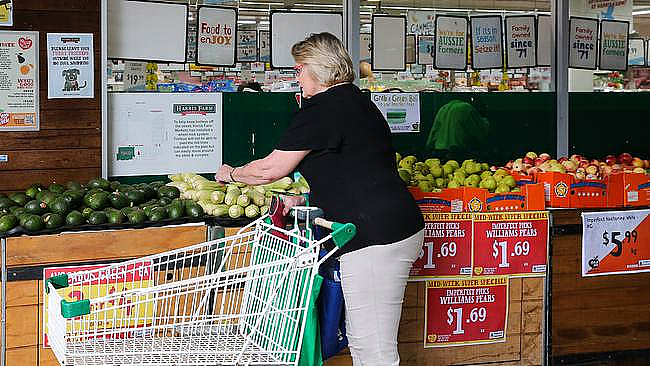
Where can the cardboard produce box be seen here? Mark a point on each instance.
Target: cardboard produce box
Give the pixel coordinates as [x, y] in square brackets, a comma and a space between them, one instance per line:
[556, 188]
[531, 198]
[628, 190]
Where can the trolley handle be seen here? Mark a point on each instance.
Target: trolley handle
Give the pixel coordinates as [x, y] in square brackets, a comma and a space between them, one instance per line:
[341, 233]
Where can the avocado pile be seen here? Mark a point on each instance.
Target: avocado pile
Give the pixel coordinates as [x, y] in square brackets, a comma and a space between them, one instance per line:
[99, 202]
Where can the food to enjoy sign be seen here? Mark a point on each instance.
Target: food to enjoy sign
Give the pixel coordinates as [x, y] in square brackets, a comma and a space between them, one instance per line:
[521, 41]
[513, 243]
[466, 311]
[583, 38]
[447, 248]
[216, 36]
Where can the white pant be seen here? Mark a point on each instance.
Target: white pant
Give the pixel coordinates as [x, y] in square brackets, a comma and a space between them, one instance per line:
[373, 281]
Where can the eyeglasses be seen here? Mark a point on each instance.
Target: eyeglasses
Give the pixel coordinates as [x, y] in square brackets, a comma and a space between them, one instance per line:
[298, 69]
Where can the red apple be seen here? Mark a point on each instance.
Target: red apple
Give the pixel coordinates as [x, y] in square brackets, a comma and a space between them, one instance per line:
[539, 161]
[606, 170]
[592, 169]
[625, 158]
[639, 170]
[563, 159]
[646, 164]
[509, 165]
[576, 157]
[594, 162]
[544, 156]
[638, 163]
[532, 171]
[580, 175]
[528, 160]
[610, 160]
[531, 155]
[518, 165]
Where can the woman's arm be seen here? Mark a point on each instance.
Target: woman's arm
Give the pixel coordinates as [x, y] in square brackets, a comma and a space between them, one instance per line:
[274, 166]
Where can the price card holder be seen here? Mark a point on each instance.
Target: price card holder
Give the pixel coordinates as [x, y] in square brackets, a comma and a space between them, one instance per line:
[462, 312]
[615, 242]
[134, 75]
[514, 243]
[447, 248]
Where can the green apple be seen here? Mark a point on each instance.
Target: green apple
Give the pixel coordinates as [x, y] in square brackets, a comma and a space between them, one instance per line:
[460, 175]
[421, 167]
[501, 172]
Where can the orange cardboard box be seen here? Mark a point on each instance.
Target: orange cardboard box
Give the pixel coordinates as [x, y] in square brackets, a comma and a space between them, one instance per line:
[556, 188]
[590, 193]
[443, 201]
[531, 198]
[628, 189]
[473, 199]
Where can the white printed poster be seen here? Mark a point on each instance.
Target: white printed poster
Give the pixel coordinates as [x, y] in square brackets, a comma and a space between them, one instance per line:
[487, 44]
[451, 43]
[19, 81]
[155, 133]
[6, 13]
[246, 46]
[265, 50]
[545, 47]
[420, 22]
[401, 110]
[70, 65]
[636, 52]
[217, 34]
[521, 41]
[613, 45]
[583, 43]
[426, 46]
[602, 9]
[364, 46]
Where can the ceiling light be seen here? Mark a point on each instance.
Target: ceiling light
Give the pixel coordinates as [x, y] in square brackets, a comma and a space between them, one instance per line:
[641, 12]
[253, 9]
[246, 22]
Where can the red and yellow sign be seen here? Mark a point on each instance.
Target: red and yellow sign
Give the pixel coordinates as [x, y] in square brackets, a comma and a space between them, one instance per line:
[510, 243]
[466, 311]
[447, 248]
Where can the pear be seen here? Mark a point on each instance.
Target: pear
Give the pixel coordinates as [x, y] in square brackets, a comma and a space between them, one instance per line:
[405, 175]
[398, 157]
[448, 169]
[436, 171]
[441, 182]
[453, 184]
[486, 174]
[502, 188]
[431, 162]
[425, 186]
[485, 167]
[509, 181]
[489, 183]
[469, 182]
[453, 163]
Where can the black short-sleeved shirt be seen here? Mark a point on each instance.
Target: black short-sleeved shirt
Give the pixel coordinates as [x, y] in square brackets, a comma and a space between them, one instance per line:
[351, 167]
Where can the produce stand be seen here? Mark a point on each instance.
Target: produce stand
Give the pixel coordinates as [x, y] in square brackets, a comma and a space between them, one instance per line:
[24, 257]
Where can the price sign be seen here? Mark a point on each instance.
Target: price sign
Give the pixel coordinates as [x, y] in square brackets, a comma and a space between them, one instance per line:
[447, 249]
[246, 46]
[513, 243]
[264, 45]
[583, 38]
[134, 75]
[466, 311]
[426, 47]
[615, 242]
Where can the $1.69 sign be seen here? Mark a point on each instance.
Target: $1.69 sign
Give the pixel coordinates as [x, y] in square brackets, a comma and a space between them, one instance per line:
[447, 249]
[513, 243]
[466, 311]
[615, 242]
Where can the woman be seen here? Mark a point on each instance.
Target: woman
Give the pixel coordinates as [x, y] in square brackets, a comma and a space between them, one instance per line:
[341, 144]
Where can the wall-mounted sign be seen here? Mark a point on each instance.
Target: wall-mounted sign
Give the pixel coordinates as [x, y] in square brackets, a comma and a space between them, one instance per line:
[216, 36]
[410, 49]
[451, 43]
[602, 9]
[6, 13]
[487, 42]
[521, 41]
[388, 43]
[246, 46]
[365, 46]
[613, 45]
[583, 43]
[544, 42]
[636, 52]
[19, 81]
[70, 65]
[426, 47]
[135, 75]
[420, 22]
[401, 110]
[265, 50]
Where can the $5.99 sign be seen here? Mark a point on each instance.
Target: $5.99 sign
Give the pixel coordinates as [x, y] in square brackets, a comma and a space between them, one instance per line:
[615, 242]
[513, 243]
[466, 311]
[447, 249]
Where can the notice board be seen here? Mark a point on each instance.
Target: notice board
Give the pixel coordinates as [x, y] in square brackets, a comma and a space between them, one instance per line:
[163, 133]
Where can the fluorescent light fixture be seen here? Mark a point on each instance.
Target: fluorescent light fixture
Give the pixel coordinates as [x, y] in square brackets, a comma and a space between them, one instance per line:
[246, 22]
[260, 3]
[264, 22]
[320, 5]
[254, 9]
[641, 12]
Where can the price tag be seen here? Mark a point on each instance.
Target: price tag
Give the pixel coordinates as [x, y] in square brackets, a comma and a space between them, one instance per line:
[447, 249]
[466, 311]
[134, 75]
[615, 242]
[512, 243]
[264, 46]
[426, 49]
[246, 46]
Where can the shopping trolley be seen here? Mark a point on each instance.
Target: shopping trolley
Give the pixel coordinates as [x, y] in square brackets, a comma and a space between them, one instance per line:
[240, 300]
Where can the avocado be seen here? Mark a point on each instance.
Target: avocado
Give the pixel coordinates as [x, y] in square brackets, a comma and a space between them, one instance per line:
[178, 202]
[156, 184]
[33, 223]
[123, 188]
[99, 201]
[33, 190]
[74, 186]
[59, 206]
[53, 220]
[35, 207]
[137, 216]
[99, 183]
[8, 222]
[18, 211]
[19, 198]
[149, 192]
[193, 210]
[114, 216]
[169, 192]
[126, 210]
[97, 218]
[119, 200]
[164, 201]
[175, 211]
[47, 196]
[137, 196]
[147, 209]
[73, 198]
[86, 212]
[6, 203]
[56, 188]
[114, 185]
[74, 218]
[158, 214]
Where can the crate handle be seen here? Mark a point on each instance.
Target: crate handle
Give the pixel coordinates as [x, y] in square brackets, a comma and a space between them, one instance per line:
[60, 281]
[73, 309]
[341, 233]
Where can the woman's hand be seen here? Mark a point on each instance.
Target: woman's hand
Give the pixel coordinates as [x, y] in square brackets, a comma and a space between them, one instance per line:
[223, 174]
[291, 201]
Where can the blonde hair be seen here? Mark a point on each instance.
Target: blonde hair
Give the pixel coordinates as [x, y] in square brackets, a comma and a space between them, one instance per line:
[327, 59]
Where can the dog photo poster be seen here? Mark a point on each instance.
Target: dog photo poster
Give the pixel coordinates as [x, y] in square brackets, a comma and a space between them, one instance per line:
[70, 65]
